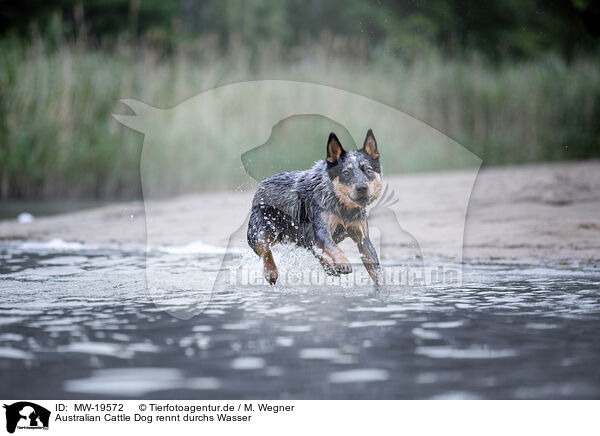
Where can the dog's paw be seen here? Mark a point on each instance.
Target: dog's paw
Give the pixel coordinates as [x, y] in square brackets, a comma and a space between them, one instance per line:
[343, 268]
[271, 275]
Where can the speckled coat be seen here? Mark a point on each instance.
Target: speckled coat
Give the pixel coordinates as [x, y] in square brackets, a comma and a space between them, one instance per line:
[319, 207]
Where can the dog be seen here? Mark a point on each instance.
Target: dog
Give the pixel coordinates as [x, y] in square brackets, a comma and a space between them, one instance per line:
[319, 207]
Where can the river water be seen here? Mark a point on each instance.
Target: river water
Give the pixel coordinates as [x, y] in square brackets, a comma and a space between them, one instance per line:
[78, 322]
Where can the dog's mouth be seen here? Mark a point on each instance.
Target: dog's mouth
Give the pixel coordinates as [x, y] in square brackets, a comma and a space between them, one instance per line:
[362, 200]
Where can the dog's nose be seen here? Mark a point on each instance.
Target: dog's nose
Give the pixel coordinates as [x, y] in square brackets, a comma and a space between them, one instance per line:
[361, 189]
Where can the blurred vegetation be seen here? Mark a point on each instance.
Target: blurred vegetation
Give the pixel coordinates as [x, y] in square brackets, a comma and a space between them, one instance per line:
[516, 28]
[514, 81]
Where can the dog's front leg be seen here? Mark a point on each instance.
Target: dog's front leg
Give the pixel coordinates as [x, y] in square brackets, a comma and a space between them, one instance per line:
[359, 232]
[327, 252]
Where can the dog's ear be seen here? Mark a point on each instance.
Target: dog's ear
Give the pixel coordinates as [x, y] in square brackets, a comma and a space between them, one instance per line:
[334, 149]
[370, 145]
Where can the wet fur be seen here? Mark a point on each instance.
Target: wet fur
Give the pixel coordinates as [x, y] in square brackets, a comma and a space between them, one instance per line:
[318, 208]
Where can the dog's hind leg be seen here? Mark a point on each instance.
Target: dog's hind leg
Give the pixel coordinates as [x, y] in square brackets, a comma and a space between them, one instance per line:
[260, 239]
[263, 249]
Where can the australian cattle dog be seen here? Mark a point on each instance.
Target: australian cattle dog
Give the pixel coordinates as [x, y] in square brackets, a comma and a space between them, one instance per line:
[319, 207]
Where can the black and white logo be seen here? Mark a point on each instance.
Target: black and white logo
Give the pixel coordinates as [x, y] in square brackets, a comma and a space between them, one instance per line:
[26, 415]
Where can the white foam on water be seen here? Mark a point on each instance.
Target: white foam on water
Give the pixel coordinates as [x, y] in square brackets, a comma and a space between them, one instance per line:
[297, 328]
[68, 321]
[425, 334]
[244, 325]
[120, 337]
[201, 383]
[61, 328]
[20, 311]
[133, 382]
[203, 342]
[246, 363]
[213, 312]
[11, 337]
[372, 323]
[108, 349]
[320, 353]
[456, 395]
[5, 320]
[55, 244]
[443, 352]
[13, 353]
[290, 256]
[540, 326]
[443, 325]
[378, 309]
[143, 347]
[359, 376]
[100, 348]
[284, 341]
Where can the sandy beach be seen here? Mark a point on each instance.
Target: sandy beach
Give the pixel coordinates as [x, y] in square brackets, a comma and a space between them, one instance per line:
[548, 213]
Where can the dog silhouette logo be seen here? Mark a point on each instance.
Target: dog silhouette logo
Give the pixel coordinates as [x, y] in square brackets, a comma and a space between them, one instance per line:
[243, 130]
[26, 415]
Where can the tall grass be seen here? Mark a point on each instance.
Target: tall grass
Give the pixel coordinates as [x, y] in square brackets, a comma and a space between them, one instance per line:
[57, 137]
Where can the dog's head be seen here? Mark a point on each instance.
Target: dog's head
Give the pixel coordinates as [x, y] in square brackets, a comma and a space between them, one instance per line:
[356, 175]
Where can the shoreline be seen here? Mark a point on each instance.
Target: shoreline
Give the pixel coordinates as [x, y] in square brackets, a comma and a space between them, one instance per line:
[536, 213]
